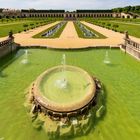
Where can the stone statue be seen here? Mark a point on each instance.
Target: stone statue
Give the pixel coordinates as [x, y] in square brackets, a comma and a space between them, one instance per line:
[11, 34]
[126, 35]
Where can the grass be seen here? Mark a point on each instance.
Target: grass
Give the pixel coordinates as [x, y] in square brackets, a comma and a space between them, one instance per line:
[114, 19]
[121, 80]
[56, 35]
[132, 29]
[12, 20]
[17, 26]
[81, 34]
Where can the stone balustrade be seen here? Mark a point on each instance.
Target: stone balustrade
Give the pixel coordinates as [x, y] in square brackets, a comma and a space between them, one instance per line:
[131, 47]
[6, 42]
[132, 44]
[7, 46]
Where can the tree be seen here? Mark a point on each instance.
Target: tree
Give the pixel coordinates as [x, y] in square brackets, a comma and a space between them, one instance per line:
[127, 9]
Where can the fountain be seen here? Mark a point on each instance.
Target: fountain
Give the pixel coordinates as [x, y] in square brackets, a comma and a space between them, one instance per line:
[52, 31]
[87, 33]
[25, 60]
[107, 59]
[64, 95]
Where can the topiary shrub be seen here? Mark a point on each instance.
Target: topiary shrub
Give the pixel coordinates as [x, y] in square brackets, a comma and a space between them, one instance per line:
[109, 24]
[115, 25]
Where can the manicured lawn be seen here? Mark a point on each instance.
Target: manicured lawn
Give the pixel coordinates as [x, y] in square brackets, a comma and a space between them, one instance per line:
[18, 26]
[114, 19]
[56, 35]
[121, 80]
[4, 30]
[122, 26]
[81, 34]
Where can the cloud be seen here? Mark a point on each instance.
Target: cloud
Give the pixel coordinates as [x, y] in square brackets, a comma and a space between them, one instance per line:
[67, 4]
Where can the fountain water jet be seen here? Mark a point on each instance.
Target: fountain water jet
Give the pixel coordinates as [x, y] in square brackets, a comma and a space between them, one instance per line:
[62, 83]
[25, 60]
[107, 60]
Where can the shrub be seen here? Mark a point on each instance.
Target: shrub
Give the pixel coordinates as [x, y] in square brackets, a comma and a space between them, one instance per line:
[121, 32]
[115, 26]
[25, 25]
[108, 24]
[31, 24]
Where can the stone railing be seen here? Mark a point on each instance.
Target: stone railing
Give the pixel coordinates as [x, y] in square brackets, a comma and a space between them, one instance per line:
[7, 46]
[6, 42]
[131, 47]
[132, 44]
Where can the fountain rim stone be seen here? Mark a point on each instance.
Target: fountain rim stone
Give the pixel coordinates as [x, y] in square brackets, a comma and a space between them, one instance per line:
[51, 105]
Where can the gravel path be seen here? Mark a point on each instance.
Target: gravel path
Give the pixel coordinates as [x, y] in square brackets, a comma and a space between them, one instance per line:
[69, 38]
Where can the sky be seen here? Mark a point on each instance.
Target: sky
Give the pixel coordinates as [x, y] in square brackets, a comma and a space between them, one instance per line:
[66, 4]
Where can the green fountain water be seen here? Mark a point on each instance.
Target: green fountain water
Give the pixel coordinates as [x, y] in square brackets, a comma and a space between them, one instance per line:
[65, 84]
[120, 78]
[58, 91]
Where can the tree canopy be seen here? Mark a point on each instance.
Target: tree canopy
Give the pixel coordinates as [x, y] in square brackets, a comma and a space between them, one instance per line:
[127, 9]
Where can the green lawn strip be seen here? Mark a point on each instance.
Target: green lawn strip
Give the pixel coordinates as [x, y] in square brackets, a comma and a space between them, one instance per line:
[19, 27]
[9, 20]
[81, 34]
[4, 30]
[112, 19]
[15, 22]
[56, 35]
[133, 30]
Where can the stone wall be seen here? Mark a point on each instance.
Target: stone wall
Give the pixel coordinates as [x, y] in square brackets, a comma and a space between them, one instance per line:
[7, 46]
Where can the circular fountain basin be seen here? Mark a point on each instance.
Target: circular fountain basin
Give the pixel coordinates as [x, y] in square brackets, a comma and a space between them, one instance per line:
[64, 90]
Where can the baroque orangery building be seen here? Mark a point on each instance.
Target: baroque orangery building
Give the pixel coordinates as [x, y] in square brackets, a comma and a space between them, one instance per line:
[61, 13]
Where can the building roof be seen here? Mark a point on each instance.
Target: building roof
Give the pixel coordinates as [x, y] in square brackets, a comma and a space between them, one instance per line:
[94, 11]
[42, 11]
